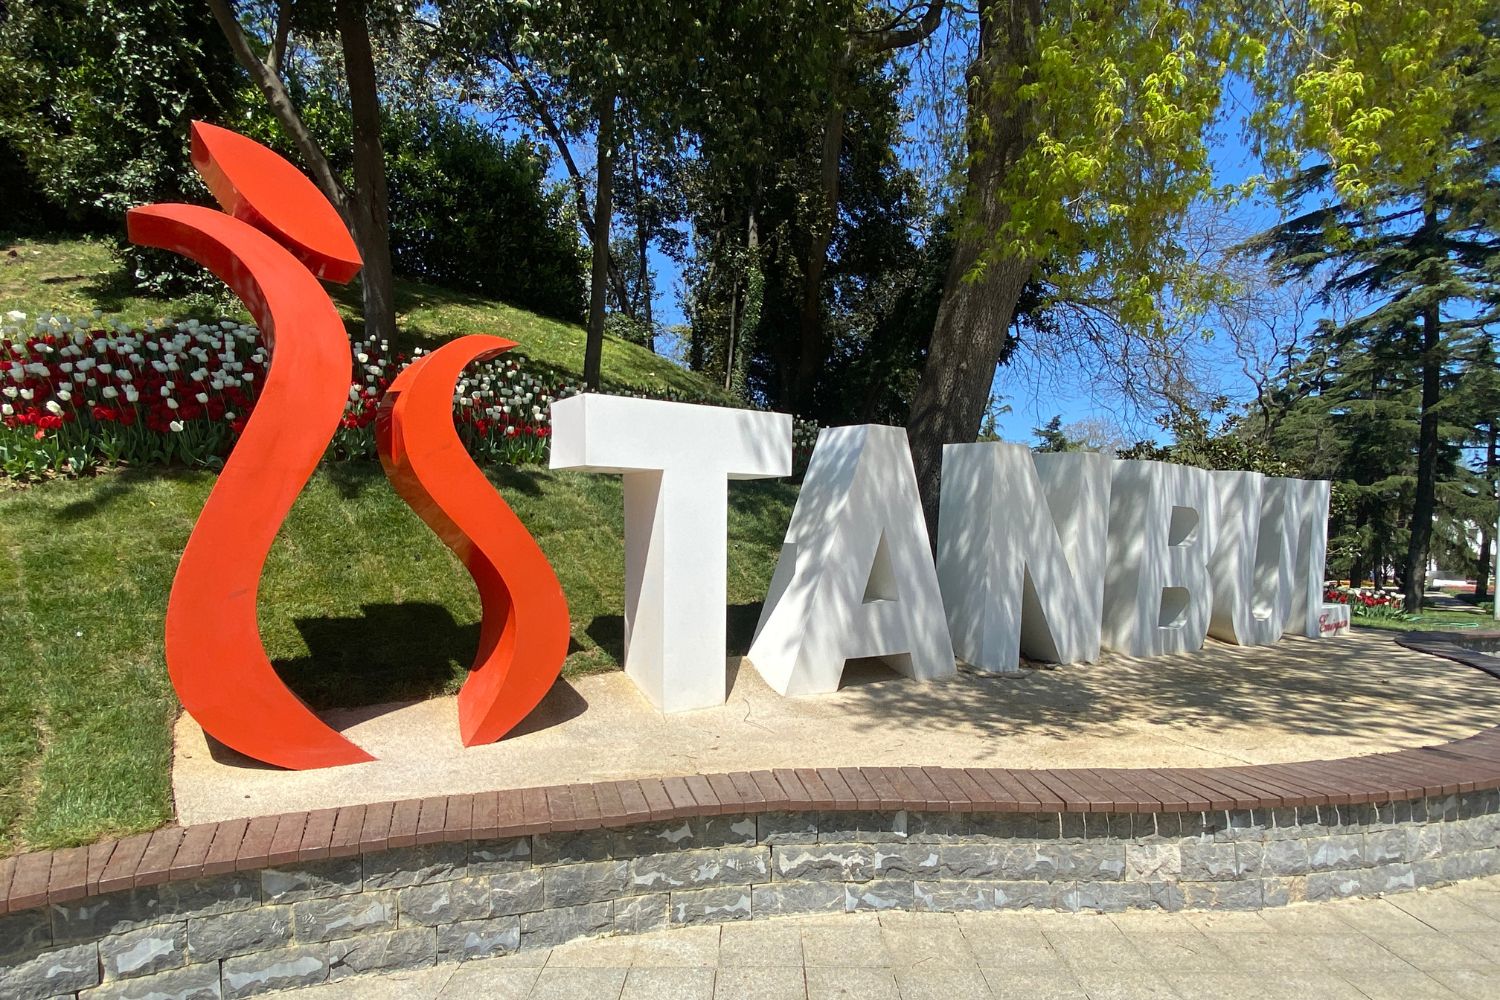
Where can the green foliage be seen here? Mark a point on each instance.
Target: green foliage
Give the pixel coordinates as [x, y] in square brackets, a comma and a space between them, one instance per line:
[1391, 95]
[1109, 112]
[879, 292]
[469, 211]
[97, 96]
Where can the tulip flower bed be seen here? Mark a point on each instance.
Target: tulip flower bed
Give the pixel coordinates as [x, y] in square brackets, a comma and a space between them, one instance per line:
[75, 397]
[1367, 602]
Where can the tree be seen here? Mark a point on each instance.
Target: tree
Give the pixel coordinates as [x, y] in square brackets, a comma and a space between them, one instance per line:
[875, 293]
[96, 99]
[364, 203]
[603, 71]
[470, 211]
[1394, 103]
[1086, 138]
[876, 32]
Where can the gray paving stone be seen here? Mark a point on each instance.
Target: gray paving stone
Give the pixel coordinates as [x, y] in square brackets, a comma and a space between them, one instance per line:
[113, 913]
[341, 917]
[555, 925]
[285, 968]
[407, 948]
[517, 892]
[711, 906]
[936, 828]
[204, 897]
[446, 902]
[838, 862]
[571, 848]
[260, 929]
[640, 914]
[27, 931]
[880, 894]
[492, 857]
[61, 970]
[913, 860]
[699, 869]
[191, 982]
[1153, 862]
[1003, 827]
[590, 882]
[786, 828]
[986, 894]
[404, 866]
[1341, 852]
[1385, 847]
[470, 939]
[145, 951]
[1243, 895]
[318, 880]
[784, 898]
[1210, 861]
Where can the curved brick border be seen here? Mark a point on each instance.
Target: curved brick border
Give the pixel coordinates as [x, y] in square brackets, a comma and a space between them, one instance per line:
[1459, 647]
[246, 906]
[174, 854]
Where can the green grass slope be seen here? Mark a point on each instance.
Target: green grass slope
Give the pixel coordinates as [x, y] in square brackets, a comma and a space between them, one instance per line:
[360, 602]
[74, 277]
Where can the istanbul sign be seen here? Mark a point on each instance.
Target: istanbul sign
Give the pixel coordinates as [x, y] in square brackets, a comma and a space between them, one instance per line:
[1050, 556]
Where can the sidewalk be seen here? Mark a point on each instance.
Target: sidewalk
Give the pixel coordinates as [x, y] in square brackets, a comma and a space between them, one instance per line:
[1442, 943]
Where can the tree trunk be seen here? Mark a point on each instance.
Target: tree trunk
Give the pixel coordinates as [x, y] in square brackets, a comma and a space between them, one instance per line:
[979, 302]
[643, 287]
[1487, 527]
[1424, 506]
[369, 213]
[811, 347]
[593, 350]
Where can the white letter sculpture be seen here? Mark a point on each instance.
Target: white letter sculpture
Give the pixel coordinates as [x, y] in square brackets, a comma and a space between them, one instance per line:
[1251, 565]
[1021, 544]
[1306, 505]
[1156, 588]
[676, 459]
[855, 577]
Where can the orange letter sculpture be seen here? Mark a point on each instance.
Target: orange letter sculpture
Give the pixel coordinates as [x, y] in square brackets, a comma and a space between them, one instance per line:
[279, 235]
[523, 635]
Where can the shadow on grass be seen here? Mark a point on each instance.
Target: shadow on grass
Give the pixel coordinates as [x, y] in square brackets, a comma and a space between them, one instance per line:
[112, 487]
[391, 652]
[609, 631]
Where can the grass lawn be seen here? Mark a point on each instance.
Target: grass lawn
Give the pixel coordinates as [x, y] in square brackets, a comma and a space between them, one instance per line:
[360, 604]
[74, 277]
[1431, 620]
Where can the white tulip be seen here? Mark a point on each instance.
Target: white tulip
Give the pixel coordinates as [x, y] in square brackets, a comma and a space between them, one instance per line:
[176, 426]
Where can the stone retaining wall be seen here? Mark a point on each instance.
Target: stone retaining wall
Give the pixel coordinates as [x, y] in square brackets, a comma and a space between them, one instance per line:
[249, 932]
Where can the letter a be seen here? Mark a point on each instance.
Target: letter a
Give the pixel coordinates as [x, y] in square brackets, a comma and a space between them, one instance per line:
[1021, 553]
[855, 578]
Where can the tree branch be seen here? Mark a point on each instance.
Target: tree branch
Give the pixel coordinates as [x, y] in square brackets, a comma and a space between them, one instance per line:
[277, 57]
[898, 38]
[269, 82]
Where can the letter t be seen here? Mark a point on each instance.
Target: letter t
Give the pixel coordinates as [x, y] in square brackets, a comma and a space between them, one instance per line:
[676, 459]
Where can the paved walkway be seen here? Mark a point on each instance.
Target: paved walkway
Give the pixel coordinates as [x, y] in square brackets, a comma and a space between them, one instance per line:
[1442, 943]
